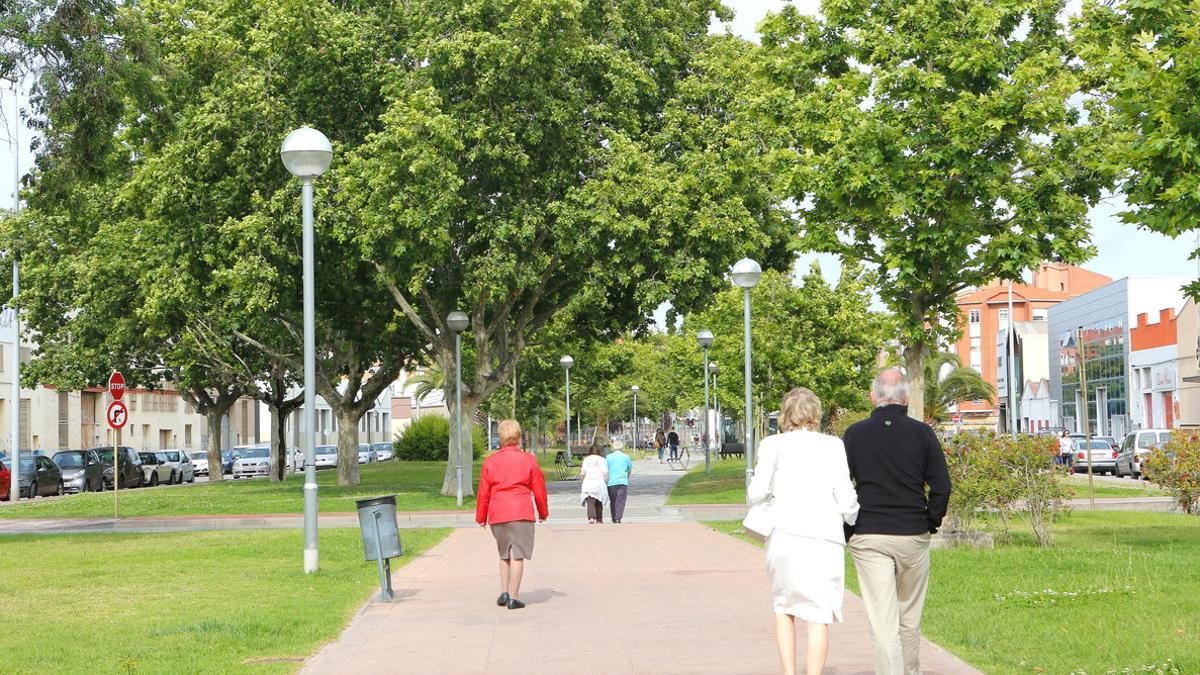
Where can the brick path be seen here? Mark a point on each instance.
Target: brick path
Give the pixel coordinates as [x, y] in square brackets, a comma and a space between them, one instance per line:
[629, 598]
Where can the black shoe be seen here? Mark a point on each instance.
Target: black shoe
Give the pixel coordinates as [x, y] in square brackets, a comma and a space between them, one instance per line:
[502, 600]
[514, 603]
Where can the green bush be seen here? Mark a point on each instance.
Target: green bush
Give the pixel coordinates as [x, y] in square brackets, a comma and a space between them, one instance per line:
[427, 440]
[1005, 475]
[1176, 467]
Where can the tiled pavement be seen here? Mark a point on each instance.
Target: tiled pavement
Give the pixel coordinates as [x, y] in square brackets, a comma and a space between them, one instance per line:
[628, 598]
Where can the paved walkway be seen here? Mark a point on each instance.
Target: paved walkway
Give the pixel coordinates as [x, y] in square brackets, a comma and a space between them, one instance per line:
[629, 598]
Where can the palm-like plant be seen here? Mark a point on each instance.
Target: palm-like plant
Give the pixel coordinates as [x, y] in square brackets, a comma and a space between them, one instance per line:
[958, 384]
[426, 383]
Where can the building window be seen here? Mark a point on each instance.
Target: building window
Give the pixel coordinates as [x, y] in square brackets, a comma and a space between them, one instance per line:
[1003, 317]
[976, 344]
[1041, 314]
[973, 316]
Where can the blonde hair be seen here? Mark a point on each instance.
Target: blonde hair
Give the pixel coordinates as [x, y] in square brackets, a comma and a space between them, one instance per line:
[510, 433]
[800, 409]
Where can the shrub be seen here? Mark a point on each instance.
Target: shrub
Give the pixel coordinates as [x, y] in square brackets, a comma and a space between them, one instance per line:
[1005, 475]
[427, 440]
[1176, 467]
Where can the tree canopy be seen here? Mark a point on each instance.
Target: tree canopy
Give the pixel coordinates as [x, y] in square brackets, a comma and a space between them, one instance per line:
[936, 142]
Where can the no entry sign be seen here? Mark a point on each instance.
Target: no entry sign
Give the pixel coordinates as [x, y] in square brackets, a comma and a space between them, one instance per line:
[116, 385]
[117, 415]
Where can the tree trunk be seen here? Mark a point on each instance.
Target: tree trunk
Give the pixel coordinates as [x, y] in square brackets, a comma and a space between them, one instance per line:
[279, 454]
[347, 451]
[214, 417]
[470, 404]
[914, 363]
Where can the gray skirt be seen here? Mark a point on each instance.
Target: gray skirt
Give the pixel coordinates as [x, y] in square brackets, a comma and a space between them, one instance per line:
[514, 539]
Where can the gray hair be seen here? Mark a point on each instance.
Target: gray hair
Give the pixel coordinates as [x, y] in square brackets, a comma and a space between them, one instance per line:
[890, 387]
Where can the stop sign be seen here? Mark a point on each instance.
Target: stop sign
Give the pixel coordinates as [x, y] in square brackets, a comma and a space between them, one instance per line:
[116, 385]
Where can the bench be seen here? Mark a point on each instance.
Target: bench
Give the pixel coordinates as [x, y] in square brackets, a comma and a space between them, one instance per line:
[732, 450]
[564, 468]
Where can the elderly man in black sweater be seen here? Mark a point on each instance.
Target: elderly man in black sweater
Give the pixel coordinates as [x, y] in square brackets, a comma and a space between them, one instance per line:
[892, 459]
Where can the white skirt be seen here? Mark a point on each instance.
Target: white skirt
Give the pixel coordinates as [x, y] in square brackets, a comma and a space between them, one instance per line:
[807, 577]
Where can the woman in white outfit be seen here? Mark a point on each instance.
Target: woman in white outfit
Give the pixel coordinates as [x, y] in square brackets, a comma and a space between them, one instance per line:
[593, 493]
[804, 472]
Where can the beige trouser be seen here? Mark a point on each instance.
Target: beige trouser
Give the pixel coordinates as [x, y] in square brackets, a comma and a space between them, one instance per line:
[893, 575]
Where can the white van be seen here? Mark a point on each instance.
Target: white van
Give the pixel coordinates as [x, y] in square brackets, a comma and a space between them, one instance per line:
[1138, 444]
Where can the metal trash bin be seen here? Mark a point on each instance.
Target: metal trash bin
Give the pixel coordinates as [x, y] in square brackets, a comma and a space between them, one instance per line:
[380, 536]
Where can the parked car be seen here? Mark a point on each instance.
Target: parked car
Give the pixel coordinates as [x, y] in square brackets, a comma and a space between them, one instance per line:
[181, 465]
[1108, 439]
[325, 456]
[365, 454]
[131, 472]
[40, 477]
[5, 481]
[1104, 457]
[156, 468]
[1138, 444]
[254, 461]
[384, 452]
[81, 469]
[228, 457]
[199, 462]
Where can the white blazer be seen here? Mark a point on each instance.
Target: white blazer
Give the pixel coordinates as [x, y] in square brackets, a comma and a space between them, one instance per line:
[812, 492]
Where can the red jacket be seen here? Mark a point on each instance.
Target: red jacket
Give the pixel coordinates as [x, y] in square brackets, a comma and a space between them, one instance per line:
[507, 480]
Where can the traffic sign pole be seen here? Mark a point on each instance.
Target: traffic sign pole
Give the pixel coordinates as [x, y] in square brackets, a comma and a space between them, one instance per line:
[116, 415]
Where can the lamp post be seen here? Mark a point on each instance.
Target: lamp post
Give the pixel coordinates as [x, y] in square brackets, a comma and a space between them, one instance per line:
[566, 362]
[307, 153]
[458, 322]
[716, 404]
[705, 338]
[635, 389]
[745, 276]
[14, 490]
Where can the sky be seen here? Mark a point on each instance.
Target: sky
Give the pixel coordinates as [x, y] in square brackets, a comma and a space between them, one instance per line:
[1123, 250]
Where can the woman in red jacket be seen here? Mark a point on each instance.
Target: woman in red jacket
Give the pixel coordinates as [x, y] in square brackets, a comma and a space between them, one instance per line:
[508, 479]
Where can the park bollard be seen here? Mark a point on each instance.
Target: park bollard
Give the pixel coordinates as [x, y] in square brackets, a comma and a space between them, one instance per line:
[381, 537]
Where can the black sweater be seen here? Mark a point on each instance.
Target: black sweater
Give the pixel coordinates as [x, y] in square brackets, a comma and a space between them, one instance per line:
[892, 458]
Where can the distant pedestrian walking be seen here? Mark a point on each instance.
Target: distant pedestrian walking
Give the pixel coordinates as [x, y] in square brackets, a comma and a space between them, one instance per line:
[620, 466]
[892, 459]
[508, 479]
[673, 444]
[660, 443]
[804, 475]
[593, 491]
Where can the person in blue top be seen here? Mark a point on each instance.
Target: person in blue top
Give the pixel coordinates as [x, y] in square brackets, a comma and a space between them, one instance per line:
[619, 468]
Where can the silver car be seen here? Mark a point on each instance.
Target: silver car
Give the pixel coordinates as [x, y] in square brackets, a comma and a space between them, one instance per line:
[155, 469]
[253, 461]
[1104, 457]
[384, 452]
[199, 462]
[326, 456]
[365, 454]
[185, 471]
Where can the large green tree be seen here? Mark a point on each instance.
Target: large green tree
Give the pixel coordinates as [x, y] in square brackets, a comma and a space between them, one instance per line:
[540, 155]
[1142, 64]
[937, 142]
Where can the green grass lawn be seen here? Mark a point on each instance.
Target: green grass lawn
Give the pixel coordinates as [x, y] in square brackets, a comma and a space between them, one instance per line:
[193, 602]
[1134, 489]
[725, 485]
[1117, 591]
[417, 486]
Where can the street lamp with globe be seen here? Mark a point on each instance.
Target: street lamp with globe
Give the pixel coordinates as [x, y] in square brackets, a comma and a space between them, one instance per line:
[458, 322]
[745, 275]
[307, 153]
[705, 339]
[566, 362]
